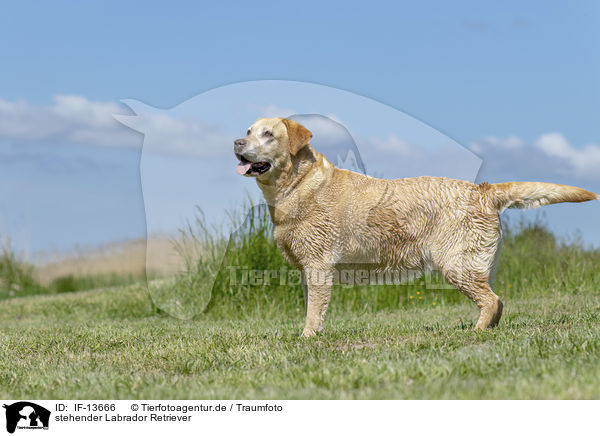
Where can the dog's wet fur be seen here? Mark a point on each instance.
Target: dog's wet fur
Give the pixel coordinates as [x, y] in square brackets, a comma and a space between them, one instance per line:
[326, 218]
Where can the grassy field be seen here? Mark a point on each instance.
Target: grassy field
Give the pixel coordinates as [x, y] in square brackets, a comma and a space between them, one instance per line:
[379, 342]
[110, 344]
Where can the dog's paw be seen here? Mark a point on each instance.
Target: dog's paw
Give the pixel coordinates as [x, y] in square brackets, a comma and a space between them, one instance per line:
[308, 333]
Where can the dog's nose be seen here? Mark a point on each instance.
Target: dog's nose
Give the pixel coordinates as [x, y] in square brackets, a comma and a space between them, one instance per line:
[239, 144]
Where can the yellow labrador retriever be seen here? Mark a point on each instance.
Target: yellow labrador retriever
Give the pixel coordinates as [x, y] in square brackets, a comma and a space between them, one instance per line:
[325, 217]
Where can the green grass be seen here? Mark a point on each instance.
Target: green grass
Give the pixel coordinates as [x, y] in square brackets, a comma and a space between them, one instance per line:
[117, 342]
[112, 344]
[17, 279]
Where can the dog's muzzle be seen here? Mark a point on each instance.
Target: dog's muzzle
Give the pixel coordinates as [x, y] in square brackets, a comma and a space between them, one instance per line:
[246, 167]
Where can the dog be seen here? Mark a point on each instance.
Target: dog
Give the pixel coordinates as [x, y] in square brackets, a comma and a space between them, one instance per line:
[326, 218]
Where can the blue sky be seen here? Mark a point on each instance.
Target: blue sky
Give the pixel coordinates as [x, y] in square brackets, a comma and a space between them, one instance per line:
[479, 72]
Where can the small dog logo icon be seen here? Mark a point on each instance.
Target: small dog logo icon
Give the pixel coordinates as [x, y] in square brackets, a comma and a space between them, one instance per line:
[26, 415]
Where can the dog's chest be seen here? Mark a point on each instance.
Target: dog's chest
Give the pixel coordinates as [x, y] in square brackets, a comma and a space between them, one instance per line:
[382, 238]
[286, 241]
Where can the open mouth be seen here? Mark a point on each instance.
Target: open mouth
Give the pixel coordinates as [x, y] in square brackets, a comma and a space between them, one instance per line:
[247, 168]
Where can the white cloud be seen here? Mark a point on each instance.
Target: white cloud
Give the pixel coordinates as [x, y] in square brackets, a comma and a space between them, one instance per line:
[554, 144]
[394, 144]
[71, 119]
[77, 120]
[550, 154]
[510, 142]
[182, 135]
[585, 159]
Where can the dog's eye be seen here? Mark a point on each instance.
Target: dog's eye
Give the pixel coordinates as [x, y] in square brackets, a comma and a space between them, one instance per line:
[248, 132]
[267, 133]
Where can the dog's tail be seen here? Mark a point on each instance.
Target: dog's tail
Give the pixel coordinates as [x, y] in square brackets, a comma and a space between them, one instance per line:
[526, 195]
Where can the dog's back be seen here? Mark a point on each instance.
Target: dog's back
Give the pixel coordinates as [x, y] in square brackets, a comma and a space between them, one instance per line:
[406, 223]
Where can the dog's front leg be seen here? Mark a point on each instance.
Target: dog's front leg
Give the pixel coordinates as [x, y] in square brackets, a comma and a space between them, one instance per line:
[305, 292]
[318, 283]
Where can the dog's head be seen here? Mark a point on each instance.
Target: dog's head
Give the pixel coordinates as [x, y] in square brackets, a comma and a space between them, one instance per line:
[270, 145]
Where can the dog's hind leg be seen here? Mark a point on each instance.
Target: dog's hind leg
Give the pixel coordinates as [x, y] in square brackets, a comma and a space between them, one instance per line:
[468, 264]
[475, 286]
[489, 304]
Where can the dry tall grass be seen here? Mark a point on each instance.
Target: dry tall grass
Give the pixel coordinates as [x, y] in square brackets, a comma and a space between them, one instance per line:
[120, 258]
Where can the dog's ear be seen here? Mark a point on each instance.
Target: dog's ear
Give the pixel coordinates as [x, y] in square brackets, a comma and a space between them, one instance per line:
[297, 134]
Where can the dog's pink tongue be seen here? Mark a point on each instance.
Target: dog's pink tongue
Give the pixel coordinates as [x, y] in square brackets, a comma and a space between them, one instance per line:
[243, 168]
